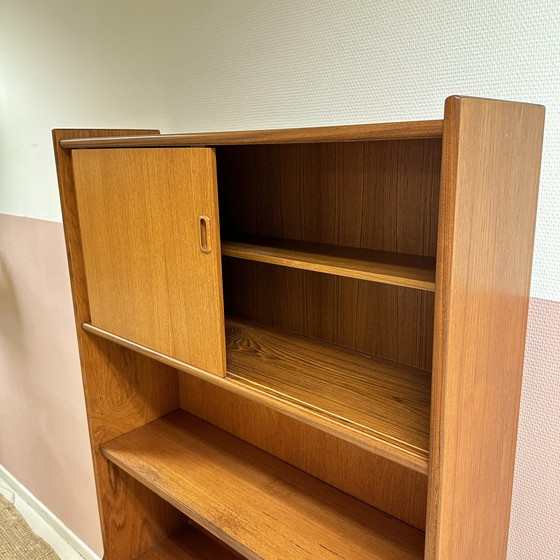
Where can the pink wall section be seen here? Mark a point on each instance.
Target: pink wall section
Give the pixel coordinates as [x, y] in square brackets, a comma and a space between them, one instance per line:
[43, 432]
[535, 520]
[43, 429]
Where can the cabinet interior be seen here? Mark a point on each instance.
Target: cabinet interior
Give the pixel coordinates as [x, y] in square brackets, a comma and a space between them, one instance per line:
[328, 273]
[329, 277]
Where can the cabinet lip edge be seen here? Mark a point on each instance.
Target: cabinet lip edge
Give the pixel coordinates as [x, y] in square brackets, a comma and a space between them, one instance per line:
[401, 130]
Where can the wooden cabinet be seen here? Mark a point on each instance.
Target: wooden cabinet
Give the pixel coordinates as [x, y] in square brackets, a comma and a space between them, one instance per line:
[326, 367]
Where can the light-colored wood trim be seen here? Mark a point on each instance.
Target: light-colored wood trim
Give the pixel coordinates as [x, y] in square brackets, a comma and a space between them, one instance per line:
[385, 449]
[410, 271]
[491, 163]
[348, 133]
[255, 503]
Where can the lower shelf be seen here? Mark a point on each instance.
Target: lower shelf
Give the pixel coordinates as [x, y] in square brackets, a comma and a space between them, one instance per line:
[377, 404]
[254, 503]
[188, 544]
[387, 400]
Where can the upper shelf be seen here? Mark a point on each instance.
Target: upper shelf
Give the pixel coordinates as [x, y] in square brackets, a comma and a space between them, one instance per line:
[350, 133]
[410, 271]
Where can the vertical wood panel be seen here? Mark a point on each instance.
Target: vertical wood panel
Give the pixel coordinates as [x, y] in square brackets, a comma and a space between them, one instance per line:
[491, 166]
[374, 195]
[387, 321]
[123, 391]
[377, 481]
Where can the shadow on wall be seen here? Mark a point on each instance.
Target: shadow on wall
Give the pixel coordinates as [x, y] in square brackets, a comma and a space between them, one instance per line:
[11, 339]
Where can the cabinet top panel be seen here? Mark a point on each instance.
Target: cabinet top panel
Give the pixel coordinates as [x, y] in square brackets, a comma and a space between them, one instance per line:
[348, 133]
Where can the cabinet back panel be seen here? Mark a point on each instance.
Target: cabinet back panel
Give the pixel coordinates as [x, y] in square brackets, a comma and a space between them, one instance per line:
[377, 481]
[382, 320]
[375, 195]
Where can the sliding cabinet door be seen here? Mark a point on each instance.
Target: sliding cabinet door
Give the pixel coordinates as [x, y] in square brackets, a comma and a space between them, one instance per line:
[151, 243]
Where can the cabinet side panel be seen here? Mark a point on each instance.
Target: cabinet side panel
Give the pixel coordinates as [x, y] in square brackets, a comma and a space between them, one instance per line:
[491, 165]
[123, 391]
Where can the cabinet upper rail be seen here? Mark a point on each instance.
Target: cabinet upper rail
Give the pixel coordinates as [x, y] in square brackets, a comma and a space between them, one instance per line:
[348, 133]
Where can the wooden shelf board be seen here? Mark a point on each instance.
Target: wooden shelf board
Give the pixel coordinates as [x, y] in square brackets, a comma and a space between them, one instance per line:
[253, 502]
[398, 269]
[387, 400]
[188, 544]
[394, 451]
[349, 133]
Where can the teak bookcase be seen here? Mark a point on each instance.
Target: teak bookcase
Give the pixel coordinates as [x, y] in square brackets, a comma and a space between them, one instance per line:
[305, 344]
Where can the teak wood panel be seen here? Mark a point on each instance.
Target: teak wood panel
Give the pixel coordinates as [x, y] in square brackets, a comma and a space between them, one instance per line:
[366, 475]
[491, 166]
[189, 544]
[386, 399]
[370, 195]
[254, 502]
[397, 269]
[387, 321]
[123, 390]
[351, 133]
[149, 279]
[286, 406]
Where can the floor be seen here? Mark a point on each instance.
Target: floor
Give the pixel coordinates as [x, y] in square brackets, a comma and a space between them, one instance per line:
[41, 527]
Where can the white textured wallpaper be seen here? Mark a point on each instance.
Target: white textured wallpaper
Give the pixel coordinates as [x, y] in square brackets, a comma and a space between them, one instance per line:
[183, 65]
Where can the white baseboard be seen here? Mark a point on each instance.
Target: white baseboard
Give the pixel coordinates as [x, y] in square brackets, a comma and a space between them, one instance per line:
[57, 525]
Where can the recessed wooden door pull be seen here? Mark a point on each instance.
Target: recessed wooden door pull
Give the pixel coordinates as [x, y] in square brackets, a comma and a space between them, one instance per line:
[205, 234]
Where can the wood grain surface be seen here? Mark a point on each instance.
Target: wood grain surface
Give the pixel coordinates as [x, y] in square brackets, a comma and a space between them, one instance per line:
[380, 196]
[390, 322]
[189, 544]
[298, 387]
[349, 133]
[364, 264]
[490, 176]
[299, 411]
[386, 399]
[148, 279]
[371, 195]
[123, 390]
[380, 482]
[256, 503]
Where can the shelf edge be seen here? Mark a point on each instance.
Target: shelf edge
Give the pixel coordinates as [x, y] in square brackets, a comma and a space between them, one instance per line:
[392, 452]
[299, 262]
